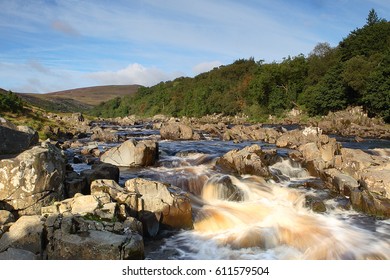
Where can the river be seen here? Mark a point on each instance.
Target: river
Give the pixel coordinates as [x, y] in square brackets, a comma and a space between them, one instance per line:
[259, 219]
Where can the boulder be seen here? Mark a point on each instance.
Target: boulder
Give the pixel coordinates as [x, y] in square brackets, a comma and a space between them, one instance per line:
[75, 183]
[340, 183]
[99, 134]
[85, 204]
[98, 205]
[354, 161]
[32, 179]
[178, 131]
[161, 205]
[362, 177]
[6, 217]
[370, 203]
[26, 233]
[295, 138]
[376, 179]
[127, 201]
[18, 254]
[76, 238]
[110, 187]
[132, 153]
[320, 155]
[249, 160]
[101, 171]
[212, 129]
[16, 139]
[253, 132]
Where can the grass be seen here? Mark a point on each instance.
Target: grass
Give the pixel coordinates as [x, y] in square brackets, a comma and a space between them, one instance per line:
[35, 118]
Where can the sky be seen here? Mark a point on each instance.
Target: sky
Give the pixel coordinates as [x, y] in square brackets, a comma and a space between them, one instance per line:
[52, 45]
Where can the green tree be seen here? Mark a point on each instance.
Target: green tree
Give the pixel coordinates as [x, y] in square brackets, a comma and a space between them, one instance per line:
[10, 102]
[372, 18]
[376, 96]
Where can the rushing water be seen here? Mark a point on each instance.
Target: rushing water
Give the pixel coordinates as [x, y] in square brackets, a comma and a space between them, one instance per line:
[248, 217]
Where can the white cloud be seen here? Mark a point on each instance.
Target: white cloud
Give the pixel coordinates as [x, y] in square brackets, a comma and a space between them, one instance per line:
[205, 66]
[133, 74]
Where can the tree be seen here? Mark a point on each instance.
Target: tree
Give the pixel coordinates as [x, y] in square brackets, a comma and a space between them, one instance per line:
[376, 96]
[10, 102]
[372, 18]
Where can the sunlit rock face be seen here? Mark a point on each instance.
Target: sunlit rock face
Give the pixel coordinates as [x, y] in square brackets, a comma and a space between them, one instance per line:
[32, 179]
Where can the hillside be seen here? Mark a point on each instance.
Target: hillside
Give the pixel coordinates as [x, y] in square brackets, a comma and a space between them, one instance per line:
[80, 99]
[95, 95]
[354, 73]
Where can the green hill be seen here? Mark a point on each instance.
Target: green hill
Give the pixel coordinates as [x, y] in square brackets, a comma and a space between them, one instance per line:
[356, 72]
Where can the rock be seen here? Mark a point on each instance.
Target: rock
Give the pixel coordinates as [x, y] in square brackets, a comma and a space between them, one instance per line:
[132, 154]
[78, 117]
[310, 151]
[253, 132]
[110, 187]
[74, 183]
[364, 179]
[385, 153]
[161, 205]
[101, 171]
[376, 179]
[315, 204]
[6, 217]
[370, 203]
[340, 183]
[66, 241]
[222, 188]
[212, 129]
[32, 179]
[18, 254]
[107, 212]
[177, 131]
[128, 201]
[295, 138]
[353, 121]
[249, 160]
[85, 204]
[102, 135]
[16, 139]
[26, 233]
[355, 161]
[133, 224]
[55, 133]
[320, 155]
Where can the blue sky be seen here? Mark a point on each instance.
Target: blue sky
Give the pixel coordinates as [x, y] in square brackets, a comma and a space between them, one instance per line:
[50, 45]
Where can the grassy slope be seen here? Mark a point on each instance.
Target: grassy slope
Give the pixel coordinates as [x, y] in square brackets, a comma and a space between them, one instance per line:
[79, 99]
[94, 95]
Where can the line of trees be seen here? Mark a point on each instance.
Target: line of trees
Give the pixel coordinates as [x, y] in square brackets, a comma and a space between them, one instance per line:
[356, 72]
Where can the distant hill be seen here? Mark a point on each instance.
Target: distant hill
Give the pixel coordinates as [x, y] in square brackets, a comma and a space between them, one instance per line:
[80, 99]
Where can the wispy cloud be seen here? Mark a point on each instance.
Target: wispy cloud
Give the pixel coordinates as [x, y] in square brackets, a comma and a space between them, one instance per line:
[132, 74]
[64, 27]
[205, 66]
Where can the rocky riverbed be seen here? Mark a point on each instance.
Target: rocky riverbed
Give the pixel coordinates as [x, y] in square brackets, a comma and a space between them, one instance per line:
[166, 188]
